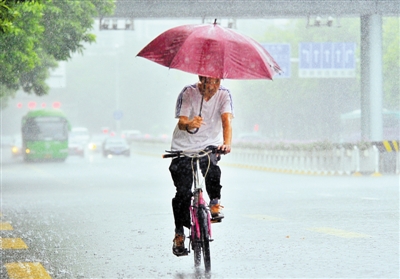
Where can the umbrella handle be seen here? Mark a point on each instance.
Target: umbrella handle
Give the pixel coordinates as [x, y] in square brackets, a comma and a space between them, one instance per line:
[192, 132]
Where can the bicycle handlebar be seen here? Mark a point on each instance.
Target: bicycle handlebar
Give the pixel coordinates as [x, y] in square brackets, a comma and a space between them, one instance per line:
[191, 154]
[170, 155]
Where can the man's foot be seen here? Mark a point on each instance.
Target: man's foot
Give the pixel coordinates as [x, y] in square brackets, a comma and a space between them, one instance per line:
[215, 208]
[178, 248]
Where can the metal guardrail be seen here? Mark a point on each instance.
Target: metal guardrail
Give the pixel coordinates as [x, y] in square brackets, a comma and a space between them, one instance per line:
[338, 161]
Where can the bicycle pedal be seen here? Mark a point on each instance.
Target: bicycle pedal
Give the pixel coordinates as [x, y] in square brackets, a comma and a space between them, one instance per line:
[183, 253]
[219, 220]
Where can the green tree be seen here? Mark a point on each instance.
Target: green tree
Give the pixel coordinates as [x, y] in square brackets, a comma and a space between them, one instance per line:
[37, 34]
[7, 15]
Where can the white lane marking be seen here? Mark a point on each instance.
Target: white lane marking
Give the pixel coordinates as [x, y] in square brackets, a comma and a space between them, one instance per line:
[339, 233]
[369, 199]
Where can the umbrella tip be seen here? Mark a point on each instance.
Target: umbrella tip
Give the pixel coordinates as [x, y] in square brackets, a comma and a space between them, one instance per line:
[215, 21]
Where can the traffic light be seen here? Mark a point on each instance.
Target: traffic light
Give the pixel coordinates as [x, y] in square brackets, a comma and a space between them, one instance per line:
[256, 127]
[32, 105]
[105, 130]
[56, 105]
[112, 24]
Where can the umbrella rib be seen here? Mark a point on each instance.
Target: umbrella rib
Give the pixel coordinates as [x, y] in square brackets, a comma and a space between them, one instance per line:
[176, 55]
[271, 62]
[201, 59]
[180, 48]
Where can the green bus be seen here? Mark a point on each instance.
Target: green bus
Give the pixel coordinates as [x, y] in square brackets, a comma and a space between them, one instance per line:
[45, 135]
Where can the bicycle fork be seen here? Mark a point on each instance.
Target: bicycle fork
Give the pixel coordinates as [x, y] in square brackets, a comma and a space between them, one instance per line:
[200, 207]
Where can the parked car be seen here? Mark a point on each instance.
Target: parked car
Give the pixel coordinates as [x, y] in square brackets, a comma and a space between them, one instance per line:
[76, 147]
[116, 146]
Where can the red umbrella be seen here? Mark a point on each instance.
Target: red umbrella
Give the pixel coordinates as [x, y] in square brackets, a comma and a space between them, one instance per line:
[213, 51]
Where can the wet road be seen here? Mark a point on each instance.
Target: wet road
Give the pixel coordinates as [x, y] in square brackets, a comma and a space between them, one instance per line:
[95, 217]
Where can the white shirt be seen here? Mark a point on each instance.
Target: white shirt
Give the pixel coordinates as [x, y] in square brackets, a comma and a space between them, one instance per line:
[210, 133]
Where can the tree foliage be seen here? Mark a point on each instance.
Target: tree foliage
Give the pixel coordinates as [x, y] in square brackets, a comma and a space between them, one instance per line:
[7, 15]
[34, 35]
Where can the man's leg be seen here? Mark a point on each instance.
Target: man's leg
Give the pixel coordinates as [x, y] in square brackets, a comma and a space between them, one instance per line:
[181, 173]
[213, 176]
[213, 186]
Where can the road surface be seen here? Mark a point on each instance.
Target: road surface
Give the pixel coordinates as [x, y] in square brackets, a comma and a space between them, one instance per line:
[96, 217]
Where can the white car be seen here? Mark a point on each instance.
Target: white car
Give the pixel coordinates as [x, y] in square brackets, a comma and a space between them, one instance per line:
[76, 147]
[16, 147]
[79, 134]
[116, 146]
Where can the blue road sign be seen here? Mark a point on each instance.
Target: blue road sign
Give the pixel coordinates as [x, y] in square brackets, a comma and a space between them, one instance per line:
[305, 55]
[329, 55]
[316, 54]
[281, 54]
[349, 55]
[118, 114]
[338, 56]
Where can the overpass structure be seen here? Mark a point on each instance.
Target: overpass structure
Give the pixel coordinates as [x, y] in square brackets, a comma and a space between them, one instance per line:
[252, 8]
[369, 11]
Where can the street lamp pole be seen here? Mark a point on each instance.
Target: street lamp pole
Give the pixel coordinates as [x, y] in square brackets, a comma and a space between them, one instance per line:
[117, 108]
[117, 113]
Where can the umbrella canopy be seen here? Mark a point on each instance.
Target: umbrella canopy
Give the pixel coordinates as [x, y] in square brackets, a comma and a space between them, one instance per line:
[211, 50]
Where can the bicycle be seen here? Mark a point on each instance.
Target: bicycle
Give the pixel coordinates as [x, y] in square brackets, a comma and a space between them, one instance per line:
[200, 229]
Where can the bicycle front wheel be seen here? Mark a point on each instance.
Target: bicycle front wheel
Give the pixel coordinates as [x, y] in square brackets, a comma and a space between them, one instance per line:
[202, 245]
[206, 253]
[197, 252]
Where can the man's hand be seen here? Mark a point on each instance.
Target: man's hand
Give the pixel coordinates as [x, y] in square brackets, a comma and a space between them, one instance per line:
[224, 148]
[185, 124]
[196, 122]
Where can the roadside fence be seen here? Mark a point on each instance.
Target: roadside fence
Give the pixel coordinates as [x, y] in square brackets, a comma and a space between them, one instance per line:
[338, 161]
[346, 159]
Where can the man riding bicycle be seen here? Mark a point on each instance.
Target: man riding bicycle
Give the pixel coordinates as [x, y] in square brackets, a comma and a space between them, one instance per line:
[205, 111]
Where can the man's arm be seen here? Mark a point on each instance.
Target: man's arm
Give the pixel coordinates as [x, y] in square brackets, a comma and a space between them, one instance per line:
[227, 132]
